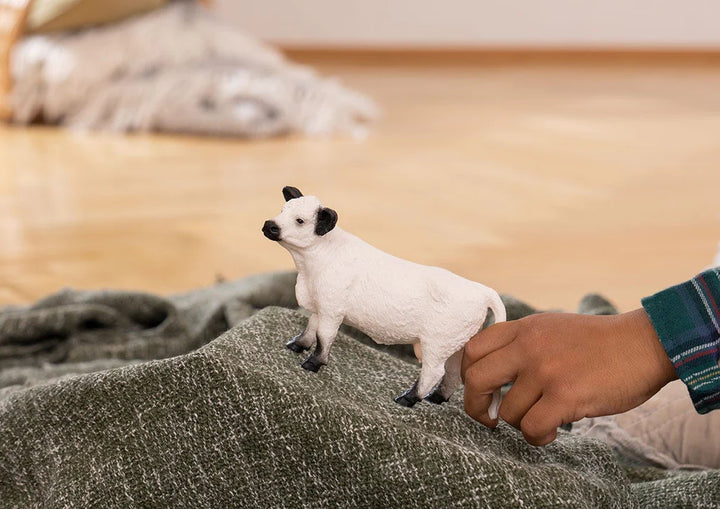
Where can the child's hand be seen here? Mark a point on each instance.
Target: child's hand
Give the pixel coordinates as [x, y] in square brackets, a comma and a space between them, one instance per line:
[564, 367]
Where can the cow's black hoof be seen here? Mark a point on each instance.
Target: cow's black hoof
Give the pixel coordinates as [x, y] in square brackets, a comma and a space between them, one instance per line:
[436, 398]
[407, 400]
[312, 364]
[295, 347]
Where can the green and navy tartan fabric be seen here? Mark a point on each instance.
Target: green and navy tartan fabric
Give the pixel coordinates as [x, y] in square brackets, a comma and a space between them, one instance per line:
[687, 320]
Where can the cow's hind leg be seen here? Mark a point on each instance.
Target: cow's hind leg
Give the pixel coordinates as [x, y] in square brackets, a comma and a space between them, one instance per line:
[431, 373]
[306, 339]
[450, 382]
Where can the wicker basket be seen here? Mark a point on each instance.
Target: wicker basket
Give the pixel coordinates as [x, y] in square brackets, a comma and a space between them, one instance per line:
[13, 14]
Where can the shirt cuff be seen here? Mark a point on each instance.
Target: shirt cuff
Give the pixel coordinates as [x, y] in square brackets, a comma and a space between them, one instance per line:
[686, 318]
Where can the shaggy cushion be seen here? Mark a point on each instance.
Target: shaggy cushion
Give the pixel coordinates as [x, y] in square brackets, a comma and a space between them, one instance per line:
[178, 68]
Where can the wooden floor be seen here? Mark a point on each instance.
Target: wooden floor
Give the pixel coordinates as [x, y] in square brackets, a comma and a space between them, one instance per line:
[545, 180]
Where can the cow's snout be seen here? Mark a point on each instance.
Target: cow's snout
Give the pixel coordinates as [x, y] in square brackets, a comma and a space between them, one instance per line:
[271, 230]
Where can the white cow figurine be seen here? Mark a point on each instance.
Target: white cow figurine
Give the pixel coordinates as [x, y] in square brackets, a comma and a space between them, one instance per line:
[341, 278]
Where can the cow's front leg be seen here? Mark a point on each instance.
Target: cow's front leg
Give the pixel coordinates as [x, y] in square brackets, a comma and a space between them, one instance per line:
[306, 339]
[326, 332]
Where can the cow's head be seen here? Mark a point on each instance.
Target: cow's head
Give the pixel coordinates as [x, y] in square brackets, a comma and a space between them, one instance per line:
[302, 221]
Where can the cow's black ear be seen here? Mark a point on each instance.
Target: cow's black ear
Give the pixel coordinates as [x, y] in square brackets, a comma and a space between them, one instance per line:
[326, 220]
[290, 193]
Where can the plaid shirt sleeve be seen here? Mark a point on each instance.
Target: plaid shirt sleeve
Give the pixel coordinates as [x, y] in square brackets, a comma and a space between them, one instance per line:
[687, 320]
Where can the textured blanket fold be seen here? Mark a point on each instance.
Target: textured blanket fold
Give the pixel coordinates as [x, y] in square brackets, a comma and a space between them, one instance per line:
[238, 423]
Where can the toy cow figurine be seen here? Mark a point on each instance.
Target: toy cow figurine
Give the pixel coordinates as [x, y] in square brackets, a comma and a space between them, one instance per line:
[344, 279]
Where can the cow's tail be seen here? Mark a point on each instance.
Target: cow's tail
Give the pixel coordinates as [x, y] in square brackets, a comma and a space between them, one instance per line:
[498, 308]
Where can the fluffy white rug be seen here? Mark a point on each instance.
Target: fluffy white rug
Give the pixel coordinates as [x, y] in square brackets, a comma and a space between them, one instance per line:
[176, 69]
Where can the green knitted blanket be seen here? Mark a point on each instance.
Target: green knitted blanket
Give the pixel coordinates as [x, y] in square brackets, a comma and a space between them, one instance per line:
[118, 399]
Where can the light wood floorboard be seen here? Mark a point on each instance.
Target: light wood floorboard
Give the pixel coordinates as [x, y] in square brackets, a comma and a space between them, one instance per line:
[543, 180]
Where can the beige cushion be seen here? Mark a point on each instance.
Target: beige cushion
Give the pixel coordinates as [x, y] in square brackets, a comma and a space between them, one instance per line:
[665, 431]
[51, 15]
[669, 423]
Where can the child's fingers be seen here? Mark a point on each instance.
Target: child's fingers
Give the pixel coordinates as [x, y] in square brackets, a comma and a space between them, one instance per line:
[477, 405]
[524, 393]
[486, 342]
[485, 377]
[492, 371]
[540, 424]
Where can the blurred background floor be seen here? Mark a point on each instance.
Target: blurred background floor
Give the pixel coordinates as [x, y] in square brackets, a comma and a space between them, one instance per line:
[543, 180]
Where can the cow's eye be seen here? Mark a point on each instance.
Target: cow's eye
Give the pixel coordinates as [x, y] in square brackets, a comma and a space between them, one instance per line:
[299, 221]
